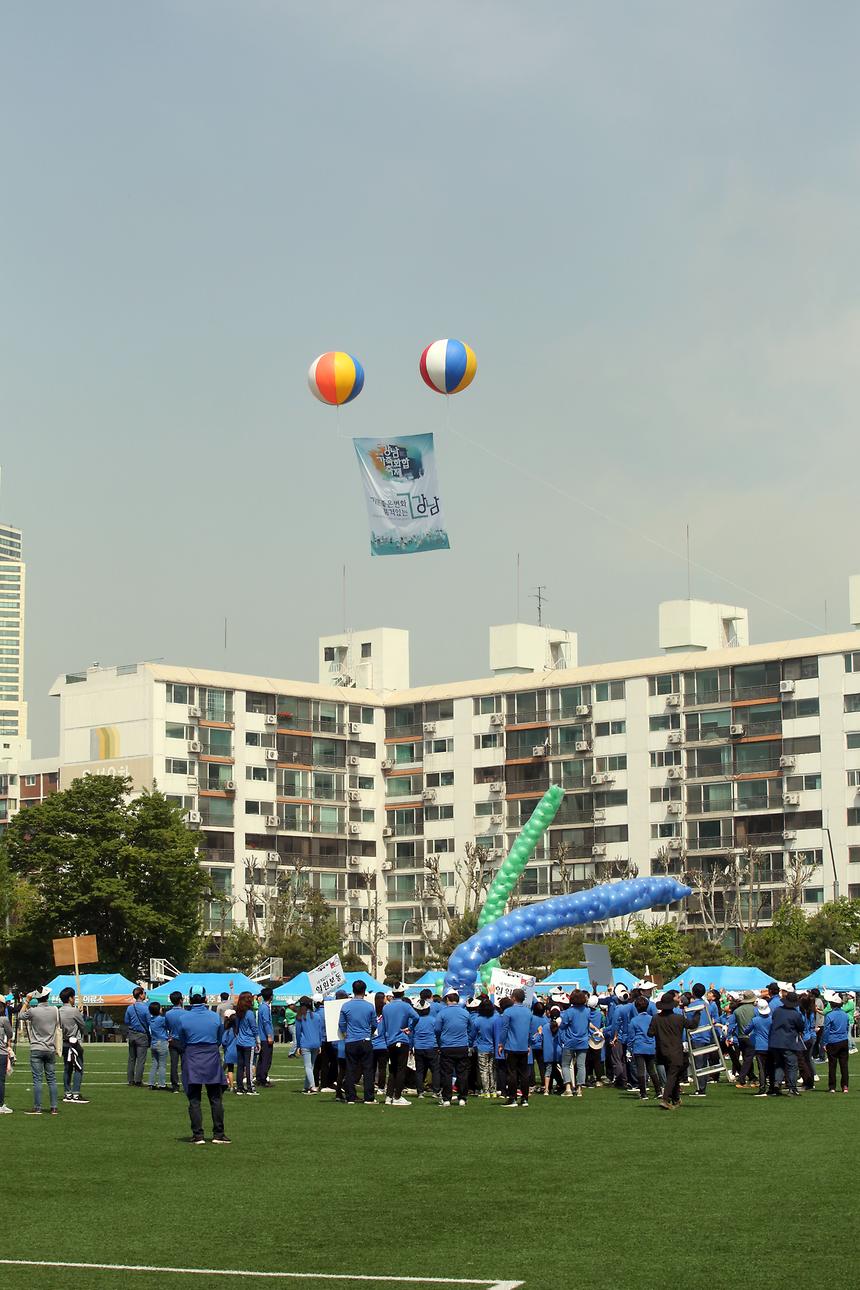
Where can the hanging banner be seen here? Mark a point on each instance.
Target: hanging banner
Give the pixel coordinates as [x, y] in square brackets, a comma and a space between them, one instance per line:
[402, 493]
[326, 978]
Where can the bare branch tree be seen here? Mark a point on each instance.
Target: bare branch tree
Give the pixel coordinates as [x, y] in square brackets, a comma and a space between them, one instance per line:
[377, 930]
[474, 875]
[798, 870]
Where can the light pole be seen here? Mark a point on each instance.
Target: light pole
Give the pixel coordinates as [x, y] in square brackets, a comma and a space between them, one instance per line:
[406, 923]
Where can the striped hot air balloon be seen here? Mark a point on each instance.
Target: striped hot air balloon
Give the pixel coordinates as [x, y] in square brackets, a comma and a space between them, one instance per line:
[335, 378]
[448, 366]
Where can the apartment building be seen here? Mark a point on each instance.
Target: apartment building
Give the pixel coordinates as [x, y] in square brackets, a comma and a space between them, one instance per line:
[13, 709]
[712, 749]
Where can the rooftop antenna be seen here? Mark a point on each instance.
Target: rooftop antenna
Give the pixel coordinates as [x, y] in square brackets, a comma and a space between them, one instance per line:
[540, 597]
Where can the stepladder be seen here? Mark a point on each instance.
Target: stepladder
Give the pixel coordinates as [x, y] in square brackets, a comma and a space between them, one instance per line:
[706, 1058]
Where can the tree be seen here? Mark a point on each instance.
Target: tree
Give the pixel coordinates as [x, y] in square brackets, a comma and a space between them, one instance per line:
[312, 937]
[238, 950]
[95, 862]
[373, 930]
[835, 926]
[659, 947]
[784, 949]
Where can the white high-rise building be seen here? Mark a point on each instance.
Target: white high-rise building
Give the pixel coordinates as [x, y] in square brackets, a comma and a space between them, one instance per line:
[13, 709]
[710, 759]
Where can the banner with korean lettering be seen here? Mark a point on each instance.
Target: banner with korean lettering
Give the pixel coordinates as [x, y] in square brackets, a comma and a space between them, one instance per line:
[402, 493]
[326, 978]
[503, 983]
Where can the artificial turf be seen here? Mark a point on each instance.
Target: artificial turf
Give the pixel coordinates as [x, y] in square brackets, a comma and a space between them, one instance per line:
[600, 1192]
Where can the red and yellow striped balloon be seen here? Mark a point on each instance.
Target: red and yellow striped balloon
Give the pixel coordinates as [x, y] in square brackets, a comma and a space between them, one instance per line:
[335, 378]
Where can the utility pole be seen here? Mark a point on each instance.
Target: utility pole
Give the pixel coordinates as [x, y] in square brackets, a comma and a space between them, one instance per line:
[540, 597]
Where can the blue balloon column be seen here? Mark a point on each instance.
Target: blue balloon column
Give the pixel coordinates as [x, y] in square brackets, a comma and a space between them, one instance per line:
[611, 900]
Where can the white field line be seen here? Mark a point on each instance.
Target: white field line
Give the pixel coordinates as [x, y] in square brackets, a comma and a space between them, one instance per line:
[237, 1272]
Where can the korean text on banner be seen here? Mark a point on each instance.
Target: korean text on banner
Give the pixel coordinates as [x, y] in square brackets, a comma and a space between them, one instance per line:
[326, 978]
[402, 494]
[502, 983]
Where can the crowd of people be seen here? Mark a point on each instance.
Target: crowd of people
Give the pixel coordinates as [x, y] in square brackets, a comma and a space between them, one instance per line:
[444, 1048]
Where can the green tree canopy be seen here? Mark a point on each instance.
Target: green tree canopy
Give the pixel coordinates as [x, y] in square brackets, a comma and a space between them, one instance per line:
[311, 937]
[88, 860]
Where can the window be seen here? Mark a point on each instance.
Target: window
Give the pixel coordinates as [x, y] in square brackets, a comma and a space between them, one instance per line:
[494, 740]
[797, 783]
[606, 690]
[852, 703]
[365, 649]
[665, 721]
[365, 781]
[801, 669]
[261, 773]
[666, 757]
[666, 829]
[179, 693]
[666, 683]
[173, 730]
[439, 746]
[403, 786]
[487, 703]
[445, 812]
[799, 708]
[362, 715]
[220, 743]
[30, 780]
[328, 653]
[853, 740]
[440, 779]
[853, 815]
[852, 662]
[813, 895]
[611, 763]
[604, 728]
[806, 744]
[440, 844]
[666, 793]
[854, 855]
[713, 724]
[175, 766]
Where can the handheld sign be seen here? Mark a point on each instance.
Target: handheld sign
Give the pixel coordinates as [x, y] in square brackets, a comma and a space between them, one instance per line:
[326, 978]
[72, 951]
[502, 983]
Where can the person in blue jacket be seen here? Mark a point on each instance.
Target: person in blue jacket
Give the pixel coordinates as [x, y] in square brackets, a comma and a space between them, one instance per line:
[424, 1045]
[596, 1042]
[576, 1028]
[247, 1043]
[758, 1029]
[266, 1032]
[485, 1040]
[643, 1048]
[502, 1006]
[357, 1025]
[551, 1037]
[228, 1047]
[201, 1033]
[453, 1035]
[171, 1017]
[705, 1012]
[785, 1042]
[158, 1048]
[834, 1041]
[516, 1028]
[309, 1040]
[379, 1045]
[137, 1034]
[399, 1019]
[536, 1044]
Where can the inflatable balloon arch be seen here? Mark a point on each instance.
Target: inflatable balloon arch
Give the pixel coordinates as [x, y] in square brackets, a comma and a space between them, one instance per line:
[498, 932]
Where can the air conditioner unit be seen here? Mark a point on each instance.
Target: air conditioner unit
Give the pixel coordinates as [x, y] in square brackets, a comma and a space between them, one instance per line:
[355, 828]
[736, 730]
[674, 772]
[597, 779]
[230, 786]
[674, 808]
[429, 727]
[353, 897]
[352, 760]
[271, 754]
[191, 781]
[598, 850]
[538, 750]
[675, 737]
[582, 745]
[674, 844]
[271, 719]
[599, 816]
[194, 745]
[583, 709]
[791, 799]
[428, 794]
[355, 727]
[497, 786]
[353, 861]
[787, 761]
[673, 700]
[272, 821]
[786, 687]
[272, 857]
[354, 795]
[193, 817]
[497, 719]
[388, 832]
[194, 713]
[355, 928]
[388, 764]
[386, 865]
[495, 821]
[788, 835]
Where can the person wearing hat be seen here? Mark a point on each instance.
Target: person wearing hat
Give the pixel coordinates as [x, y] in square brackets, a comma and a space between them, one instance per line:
[643, 1048]
[668, 1028]
[43, 1021]
[757, 1030]
[137, 1034]
[453, 1036]
[357, 1024]
[399, 1020]
[834, 1041]
[201, 1034]
[266, 1038]
[741, 1012]
[310, 1036]
[620, 1009]
[424, 1044]
[784, 1043]
[596, 1042]
[485, 1042]
[552, 1052]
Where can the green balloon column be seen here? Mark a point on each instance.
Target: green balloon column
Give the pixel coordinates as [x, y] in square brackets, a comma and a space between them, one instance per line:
[515, 862]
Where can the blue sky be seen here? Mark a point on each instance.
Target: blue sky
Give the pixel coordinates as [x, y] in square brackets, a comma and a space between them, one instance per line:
[642, 217]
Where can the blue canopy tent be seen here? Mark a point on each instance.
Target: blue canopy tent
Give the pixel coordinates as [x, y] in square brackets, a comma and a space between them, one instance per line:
[105, 989]
[428, 980]
[372, 984]
[301, 984]
[722, 978]
[838, 976]
[567, 979]
[215, 984]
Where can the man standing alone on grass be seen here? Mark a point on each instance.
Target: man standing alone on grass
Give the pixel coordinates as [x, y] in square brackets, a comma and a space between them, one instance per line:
[267, 1038]
[357, 1024]
[137, 1024]
[201, 1032]
[74, 1028]
[43, 1021]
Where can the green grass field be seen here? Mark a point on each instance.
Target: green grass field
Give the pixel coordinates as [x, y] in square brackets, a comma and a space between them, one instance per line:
[598, 1192]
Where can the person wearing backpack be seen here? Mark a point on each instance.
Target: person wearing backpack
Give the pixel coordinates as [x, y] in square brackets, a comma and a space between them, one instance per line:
[44, 1025]
[73, 1027]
